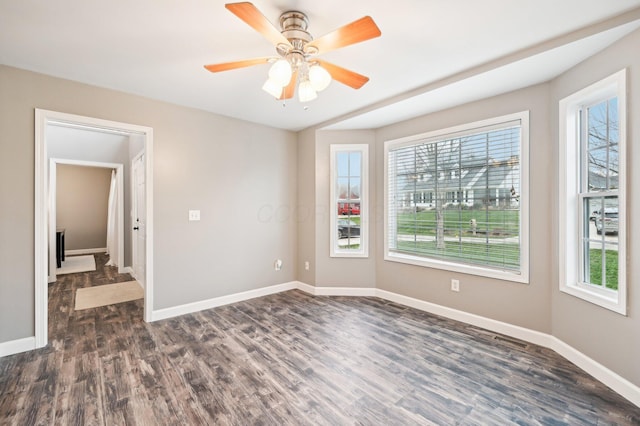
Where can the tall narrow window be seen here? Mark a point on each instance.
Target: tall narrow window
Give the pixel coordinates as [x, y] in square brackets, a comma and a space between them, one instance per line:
[592, 195]
[349, 181]
[456, 199]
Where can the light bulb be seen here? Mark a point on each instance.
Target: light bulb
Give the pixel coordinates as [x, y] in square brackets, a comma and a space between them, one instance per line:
[319, 78]
[280, 72]
[272, 88]
[306, 91]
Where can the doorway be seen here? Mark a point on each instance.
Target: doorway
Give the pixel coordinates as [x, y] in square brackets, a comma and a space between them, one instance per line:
[53, 220]
[44, 123]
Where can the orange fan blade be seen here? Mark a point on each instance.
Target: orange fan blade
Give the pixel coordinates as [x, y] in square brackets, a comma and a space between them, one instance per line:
[288, 92]
[343, 75]
[355, 32]
[237, 64]
[256, 20]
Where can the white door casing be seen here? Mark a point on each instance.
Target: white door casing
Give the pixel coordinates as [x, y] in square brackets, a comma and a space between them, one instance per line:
[44, 119]
[138, 218]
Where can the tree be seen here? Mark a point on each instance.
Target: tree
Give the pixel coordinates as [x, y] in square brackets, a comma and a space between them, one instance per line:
[439, 160]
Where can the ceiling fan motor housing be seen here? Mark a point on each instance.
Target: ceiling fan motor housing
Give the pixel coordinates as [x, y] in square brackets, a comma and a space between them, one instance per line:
[294, 26]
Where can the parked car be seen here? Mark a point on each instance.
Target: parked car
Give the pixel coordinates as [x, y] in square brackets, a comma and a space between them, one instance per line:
[348, 228]
[349, 208]
[608, 223]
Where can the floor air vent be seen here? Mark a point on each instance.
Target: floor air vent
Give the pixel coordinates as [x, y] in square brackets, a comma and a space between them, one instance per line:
[515, 342]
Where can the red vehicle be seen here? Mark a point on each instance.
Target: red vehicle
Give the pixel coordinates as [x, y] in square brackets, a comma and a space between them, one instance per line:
[349, 208]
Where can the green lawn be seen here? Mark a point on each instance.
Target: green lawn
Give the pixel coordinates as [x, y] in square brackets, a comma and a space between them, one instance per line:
[503, 223]
[497, 224]
[611, 268]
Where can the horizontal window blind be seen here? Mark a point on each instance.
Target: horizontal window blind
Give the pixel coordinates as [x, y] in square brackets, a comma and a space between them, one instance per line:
[457, 197]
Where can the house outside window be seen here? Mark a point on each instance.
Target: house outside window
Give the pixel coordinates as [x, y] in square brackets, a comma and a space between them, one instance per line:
[593, 193]
[457, 199]
[349, 204]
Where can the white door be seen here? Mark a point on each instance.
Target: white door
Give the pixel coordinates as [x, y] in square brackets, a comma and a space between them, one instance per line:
[138, 219]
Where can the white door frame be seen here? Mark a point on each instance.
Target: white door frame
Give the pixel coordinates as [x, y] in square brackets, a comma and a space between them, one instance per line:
[134, 209]
[43, 119]
[53, 168]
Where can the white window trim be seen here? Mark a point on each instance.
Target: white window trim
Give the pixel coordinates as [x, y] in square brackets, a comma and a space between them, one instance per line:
[568, 166]
[521, 276]
[364, 202]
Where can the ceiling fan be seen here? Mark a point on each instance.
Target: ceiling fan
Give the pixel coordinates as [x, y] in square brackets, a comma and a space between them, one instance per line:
[297, 52]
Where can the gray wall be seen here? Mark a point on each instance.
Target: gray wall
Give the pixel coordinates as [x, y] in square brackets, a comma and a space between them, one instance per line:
[307, 206]
[609, 338]
[233, 171]
[337, 271]
[525, 305]
[82, 204]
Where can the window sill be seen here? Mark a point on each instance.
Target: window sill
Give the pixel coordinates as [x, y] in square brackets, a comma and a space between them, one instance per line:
[604, 298]
[512, 276]
[349, 255]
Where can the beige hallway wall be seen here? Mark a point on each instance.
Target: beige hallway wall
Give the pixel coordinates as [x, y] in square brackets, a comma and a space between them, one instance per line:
[82, 201]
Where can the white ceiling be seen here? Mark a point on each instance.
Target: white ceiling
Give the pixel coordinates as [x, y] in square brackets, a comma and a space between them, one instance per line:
[432, 54]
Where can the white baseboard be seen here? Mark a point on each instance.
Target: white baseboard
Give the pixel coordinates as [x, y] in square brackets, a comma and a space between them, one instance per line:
[85, 251]
[608, 377]
[306, 287]
[518, 332]
[126, 270]
[597, 370]
[611, 379]
[220, 301]
[16, 346]
[337, 291]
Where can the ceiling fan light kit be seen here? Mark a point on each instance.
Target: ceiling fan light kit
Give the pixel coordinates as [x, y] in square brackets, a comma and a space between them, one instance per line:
[306, 92]
[280, 72]
[297, 61]
[272, 88]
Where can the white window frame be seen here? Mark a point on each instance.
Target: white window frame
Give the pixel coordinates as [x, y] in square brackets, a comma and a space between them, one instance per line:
[363, 251]
[521, 276]
[571, 221]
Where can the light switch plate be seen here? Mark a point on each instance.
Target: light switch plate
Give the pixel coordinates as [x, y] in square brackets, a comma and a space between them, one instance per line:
[194, 215]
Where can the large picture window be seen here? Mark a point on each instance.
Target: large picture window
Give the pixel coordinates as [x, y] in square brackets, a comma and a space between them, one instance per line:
[349, 208]
[457, 199]
[592, 194]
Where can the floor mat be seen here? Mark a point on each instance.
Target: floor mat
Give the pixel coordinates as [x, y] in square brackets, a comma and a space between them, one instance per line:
[73, 264]
[108, 294]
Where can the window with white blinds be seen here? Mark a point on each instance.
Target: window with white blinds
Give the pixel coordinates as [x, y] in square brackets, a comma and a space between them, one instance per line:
[457, 199]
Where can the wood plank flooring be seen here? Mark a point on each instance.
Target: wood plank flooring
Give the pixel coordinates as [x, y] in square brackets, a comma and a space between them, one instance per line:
[289, 359]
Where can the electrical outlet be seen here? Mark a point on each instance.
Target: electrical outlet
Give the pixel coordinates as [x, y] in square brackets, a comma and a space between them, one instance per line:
[194, 215]
[455, 285]
[277, 265]
[306, 265]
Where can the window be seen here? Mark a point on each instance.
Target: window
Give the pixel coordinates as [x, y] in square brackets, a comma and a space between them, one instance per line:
[349, 209]
[457, 199]
[592, 193]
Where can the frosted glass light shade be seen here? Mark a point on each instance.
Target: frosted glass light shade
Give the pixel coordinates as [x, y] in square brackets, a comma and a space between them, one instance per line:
[319, 78]
[280, 72]
[272, 88]
[306, 92]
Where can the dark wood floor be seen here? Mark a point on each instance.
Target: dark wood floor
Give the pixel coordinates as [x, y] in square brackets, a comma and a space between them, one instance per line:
[290, 358]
